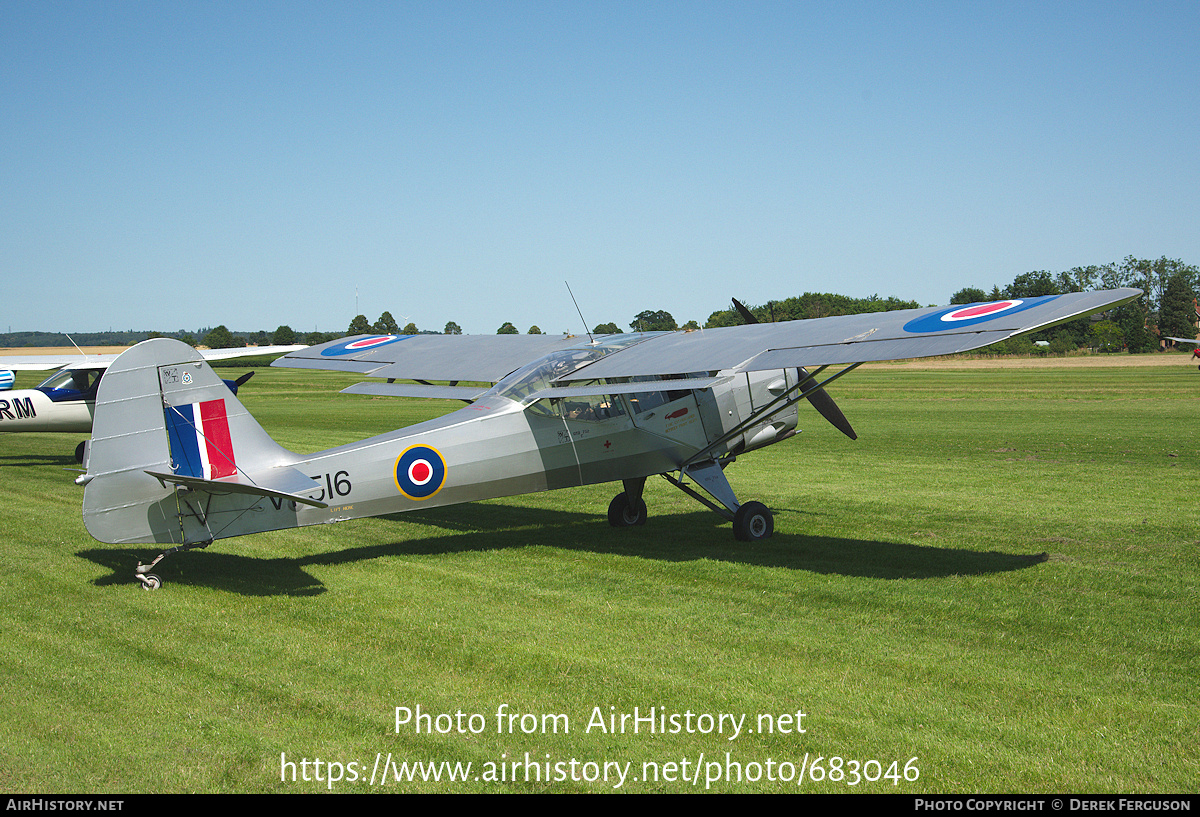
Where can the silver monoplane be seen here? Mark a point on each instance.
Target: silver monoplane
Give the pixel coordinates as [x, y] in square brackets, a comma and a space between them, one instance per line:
[176, 459]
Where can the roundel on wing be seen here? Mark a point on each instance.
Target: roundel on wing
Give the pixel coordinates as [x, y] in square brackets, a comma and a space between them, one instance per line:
[972, 314]
[361, 345]
[420, 472]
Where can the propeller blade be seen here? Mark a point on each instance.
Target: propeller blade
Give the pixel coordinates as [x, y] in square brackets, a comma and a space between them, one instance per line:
[819, 399]
[746, 314]
[828, 409]
[234, 385]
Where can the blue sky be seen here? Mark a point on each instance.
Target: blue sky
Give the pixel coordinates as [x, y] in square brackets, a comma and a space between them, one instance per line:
[178, 165]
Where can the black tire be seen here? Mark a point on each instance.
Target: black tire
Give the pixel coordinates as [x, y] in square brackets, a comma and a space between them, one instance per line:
[752, 522]
[623, 514]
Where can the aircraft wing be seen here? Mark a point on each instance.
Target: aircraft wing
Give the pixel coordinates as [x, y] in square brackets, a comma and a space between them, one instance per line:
[848, 339]
[474, 358]
[48, 362]
[845, 339]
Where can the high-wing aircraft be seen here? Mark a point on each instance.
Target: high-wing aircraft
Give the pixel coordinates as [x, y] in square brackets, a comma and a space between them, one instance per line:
[177, 460]
[66, 400]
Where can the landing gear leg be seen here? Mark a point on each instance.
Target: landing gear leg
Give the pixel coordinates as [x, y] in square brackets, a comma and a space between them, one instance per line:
[752, 521]
[628, 508]
[151, 581]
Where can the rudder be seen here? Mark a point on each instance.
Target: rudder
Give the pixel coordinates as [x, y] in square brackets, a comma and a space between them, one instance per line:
[165, 424]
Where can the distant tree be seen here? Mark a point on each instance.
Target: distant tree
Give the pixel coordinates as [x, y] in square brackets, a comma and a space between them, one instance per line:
[534, 330]
[313, 338]
[410, 328]
[968, 295]
[220, 338]
[1032, 285]
[653, 321]
[284, 336]
[606, 329]
[1078, 279]
[1062, 342]
[1138, 339]
[690, 326]
[452, 328]
[1108, 336]
[188, 339]
[507, 329]
[1177, 314]
[386, 325]
[726, 317]
[359, 326]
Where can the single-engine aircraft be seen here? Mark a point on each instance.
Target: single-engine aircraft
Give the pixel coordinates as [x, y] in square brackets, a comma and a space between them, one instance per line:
[66, 400]
[177, 460]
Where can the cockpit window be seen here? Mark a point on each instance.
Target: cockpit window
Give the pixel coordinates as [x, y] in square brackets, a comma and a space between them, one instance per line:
[71, 384]
[644, 401]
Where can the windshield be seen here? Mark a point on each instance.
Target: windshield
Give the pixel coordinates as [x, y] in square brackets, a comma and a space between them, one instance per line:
[539, 374]
[71, 384]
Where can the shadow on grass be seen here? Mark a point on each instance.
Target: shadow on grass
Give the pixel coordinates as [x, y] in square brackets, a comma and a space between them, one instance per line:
[486, 527]
[66, 459]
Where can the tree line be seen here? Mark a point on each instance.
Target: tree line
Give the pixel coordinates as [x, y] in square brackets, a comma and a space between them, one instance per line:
[1167, 309]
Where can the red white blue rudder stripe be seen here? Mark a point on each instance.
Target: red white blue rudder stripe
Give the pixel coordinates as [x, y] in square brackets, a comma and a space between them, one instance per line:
[201, 445]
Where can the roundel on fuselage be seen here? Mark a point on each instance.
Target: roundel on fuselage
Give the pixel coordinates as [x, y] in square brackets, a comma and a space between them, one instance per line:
[420, 472]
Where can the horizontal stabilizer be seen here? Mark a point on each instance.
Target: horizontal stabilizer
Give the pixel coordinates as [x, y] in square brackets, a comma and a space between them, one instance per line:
[281, 482]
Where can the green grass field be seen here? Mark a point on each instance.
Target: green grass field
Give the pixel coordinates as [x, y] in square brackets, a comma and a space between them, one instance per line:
[993, 590]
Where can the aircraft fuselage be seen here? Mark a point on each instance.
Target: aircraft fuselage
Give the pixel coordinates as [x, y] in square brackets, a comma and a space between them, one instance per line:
[33, 410]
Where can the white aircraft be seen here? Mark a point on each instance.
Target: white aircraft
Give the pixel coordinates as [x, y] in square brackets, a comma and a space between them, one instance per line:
[66, 400]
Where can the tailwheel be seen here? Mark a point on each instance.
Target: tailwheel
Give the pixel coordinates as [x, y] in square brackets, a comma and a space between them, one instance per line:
[624, 512]
[150, 581]
[753, 521]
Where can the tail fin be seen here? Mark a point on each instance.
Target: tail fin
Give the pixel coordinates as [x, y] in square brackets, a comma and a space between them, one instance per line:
[175, 457]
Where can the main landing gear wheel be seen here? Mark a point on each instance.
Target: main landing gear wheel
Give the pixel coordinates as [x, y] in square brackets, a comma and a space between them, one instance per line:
[753, 521]
[624, 513]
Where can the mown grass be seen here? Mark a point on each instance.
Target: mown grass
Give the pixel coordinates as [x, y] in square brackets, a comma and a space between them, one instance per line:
[998, 579]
